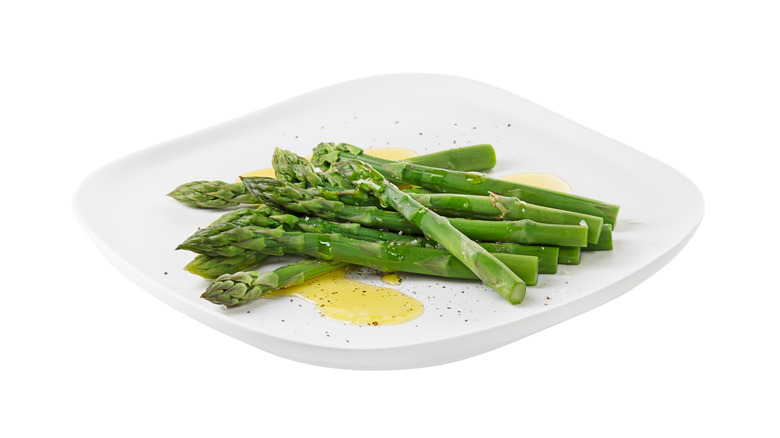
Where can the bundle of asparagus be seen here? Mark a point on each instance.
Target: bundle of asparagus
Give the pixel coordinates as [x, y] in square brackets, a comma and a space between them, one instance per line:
[345, 207]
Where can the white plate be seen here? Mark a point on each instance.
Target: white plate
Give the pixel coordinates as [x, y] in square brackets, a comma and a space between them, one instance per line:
[124, 209]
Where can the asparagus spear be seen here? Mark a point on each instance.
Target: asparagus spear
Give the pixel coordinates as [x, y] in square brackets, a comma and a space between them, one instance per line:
[451, 205]
[219, 194]
[497, 207]
[295, 169]
[548, 255]
[265, 216]
[236, 289]
[467, 158]
[383, 256]
[212, 194]
[213, 266]
[605, 241]
[569, 255]
[484, 264]
[230, 235]
[443, 180]
[289, 197]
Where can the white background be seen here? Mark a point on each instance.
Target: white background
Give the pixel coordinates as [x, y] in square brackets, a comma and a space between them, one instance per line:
[691, 351]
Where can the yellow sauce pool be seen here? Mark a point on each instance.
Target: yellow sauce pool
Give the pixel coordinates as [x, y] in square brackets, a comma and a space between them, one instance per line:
[339, 298]
[544, 180]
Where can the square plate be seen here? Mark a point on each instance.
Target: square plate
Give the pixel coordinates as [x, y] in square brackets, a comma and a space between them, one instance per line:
[125, 211]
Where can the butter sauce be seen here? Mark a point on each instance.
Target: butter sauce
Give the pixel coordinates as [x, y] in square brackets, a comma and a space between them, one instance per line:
[543, 180]
[342, 299]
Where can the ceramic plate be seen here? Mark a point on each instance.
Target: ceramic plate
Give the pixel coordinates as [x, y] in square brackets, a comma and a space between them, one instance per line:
[139, 230]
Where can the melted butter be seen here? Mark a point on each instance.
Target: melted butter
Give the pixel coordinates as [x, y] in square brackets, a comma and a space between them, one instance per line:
[340, 298]
[391, 153]
[261, 172]
[544, 180]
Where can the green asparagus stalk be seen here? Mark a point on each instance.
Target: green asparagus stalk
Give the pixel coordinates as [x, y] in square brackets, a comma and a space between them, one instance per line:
[605, 241]
[212, 194]
[497, 207]
[480, 184]
[466, 158]
[265, 216]
[450, 205]
[485, 265]
[294, 169]
[383, 256]
[443, 180]
[233, 290]
[548, 255]
[211, 267]
[219, 194]
[286, 196]
[569, 255]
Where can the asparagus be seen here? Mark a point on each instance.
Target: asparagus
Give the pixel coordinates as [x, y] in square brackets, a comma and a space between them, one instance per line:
[297, 169]
[605, 241]
[212, 194]
[467, 158]
[211, 267]
[443, 180]
[497, 207]
[548, 255]
[292, 168]
[485, 265]
[287, 196]
[383, 256]
[569, 255]
[233, 290]
[268, 217]
[525, 231]
[219, 194]
[451, 205]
